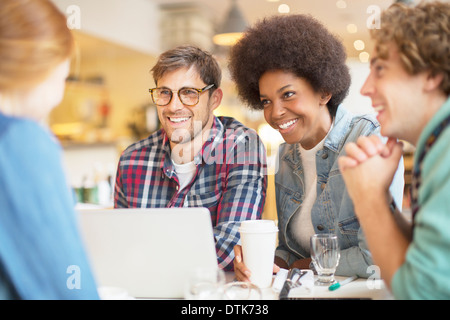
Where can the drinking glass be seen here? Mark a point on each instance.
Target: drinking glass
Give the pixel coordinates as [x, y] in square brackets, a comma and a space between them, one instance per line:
[325, 257]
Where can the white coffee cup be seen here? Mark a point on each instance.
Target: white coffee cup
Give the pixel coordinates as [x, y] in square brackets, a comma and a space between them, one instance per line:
[258, 238]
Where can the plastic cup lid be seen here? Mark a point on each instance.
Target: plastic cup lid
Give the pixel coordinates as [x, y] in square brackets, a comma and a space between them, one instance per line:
[258, 226]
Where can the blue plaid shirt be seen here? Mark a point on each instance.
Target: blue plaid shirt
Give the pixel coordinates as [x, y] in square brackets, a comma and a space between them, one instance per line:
[230, 180]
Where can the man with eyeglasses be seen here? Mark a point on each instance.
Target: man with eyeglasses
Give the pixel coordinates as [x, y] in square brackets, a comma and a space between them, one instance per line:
[196, 159]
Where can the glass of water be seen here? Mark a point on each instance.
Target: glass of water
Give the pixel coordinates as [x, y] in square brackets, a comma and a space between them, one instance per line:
[325, 256]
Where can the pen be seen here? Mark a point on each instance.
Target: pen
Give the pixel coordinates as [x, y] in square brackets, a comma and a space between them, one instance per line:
[294, 275]
[337, 285]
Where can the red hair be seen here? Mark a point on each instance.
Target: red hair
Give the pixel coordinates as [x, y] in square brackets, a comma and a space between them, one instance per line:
[34, 39]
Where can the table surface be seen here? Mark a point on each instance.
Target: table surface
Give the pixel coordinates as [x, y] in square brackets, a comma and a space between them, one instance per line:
[364, 289]
[372, 289]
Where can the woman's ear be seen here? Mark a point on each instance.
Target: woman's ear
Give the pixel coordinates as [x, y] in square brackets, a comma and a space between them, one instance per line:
[324, 98]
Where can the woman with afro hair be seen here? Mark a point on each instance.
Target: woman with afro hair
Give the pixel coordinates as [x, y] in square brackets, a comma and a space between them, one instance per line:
[294, 69]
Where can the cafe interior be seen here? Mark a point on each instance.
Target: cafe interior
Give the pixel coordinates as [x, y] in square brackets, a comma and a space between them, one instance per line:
[107, 105]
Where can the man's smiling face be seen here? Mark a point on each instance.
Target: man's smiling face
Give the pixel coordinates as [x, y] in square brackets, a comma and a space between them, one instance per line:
[183, 123]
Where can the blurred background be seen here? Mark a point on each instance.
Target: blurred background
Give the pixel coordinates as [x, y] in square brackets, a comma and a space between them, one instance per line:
[107, 105]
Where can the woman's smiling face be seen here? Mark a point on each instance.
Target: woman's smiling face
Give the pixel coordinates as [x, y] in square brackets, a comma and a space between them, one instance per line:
[292, 107]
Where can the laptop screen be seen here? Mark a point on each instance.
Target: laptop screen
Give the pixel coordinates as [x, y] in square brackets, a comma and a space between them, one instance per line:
[148, 252]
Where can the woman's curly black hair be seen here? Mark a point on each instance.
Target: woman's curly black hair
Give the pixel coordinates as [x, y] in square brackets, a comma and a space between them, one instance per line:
[295, 43]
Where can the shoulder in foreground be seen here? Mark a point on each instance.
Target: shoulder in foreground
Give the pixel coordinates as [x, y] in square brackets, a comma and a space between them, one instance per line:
[8, 123]
[27, 142]
[23, 129]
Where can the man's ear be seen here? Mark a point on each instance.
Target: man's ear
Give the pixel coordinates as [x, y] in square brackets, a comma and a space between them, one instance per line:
[215, 99]
[433, 81]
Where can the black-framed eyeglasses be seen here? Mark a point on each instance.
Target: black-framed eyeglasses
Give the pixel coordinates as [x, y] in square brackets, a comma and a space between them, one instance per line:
[188, 96]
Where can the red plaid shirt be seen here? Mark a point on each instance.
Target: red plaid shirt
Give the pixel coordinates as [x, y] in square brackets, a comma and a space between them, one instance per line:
[230, 180]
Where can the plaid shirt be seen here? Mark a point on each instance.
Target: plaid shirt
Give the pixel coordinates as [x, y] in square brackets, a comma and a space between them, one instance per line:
[230, 180]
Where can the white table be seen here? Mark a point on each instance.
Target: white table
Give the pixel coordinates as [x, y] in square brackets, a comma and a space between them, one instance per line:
[357, 289]
[373, 289]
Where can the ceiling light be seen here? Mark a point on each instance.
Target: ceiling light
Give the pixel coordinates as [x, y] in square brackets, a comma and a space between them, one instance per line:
[352, 28]
[359, 45]
[364, 57]
[283, 8]
[233, 27]
[341, 4]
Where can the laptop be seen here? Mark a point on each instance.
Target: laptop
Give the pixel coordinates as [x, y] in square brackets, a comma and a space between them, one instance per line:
[148, 252]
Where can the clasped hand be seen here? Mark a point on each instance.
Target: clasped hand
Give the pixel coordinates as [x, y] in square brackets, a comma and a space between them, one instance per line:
[369, 167]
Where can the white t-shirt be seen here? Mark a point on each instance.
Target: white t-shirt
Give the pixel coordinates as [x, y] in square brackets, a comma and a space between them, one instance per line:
[185, 173]
[301, 226]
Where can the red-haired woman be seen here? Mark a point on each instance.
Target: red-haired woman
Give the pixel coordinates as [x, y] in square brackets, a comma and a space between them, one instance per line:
[41, 254]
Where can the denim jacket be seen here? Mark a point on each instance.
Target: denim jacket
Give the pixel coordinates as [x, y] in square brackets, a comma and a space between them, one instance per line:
[333, 210]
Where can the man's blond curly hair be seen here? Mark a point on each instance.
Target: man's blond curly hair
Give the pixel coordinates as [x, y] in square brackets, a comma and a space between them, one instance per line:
[422, 36]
